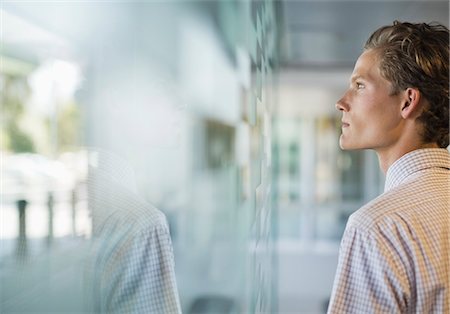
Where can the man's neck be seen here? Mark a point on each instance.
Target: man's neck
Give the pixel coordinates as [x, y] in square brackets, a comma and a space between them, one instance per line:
[387, 157]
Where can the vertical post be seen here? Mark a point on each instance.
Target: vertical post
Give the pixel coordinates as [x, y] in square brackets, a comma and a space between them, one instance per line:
[308, 181]
[50, 204]
[73, 202]
[22, 240]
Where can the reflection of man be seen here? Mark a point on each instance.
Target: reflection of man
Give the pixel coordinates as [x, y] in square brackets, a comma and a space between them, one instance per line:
[395, 253]
[131, 265]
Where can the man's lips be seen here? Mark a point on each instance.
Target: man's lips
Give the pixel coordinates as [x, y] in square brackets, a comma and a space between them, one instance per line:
[345, 124]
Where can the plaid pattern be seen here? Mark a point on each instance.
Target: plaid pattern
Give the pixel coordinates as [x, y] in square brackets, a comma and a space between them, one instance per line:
[131, 265]
[395, 252]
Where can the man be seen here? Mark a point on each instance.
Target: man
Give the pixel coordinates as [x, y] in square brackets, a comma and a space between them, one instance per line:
[130, 268]
[395, 252]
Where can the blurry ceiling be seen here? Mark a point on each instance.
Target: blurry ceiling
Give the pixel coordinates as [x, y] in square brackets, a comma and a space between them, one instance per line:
[314, 34]
[330, 34]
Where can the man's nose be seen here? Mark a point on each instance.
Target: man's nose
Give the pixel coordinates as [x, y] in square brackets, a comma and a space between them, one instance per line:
[341, 105]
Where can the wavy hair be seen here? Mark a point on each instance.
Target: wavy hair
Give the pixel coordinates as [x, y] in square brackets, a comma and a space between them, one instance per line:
[417, 55]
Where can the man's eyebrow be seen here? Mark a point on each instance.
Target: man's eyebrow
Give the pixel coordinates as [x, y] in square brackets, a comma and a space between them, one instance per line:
[356, 77]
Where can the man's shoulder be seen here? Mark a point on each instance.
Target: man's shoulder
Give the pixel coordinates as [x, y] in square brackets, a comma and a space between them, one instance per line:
[131, 219]
[404, 202]
[143, 217]
[375, 211]
[388, 206]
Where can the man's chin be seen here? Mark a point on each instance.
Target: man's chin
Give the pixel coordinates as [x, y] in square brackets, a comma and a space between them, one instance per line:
[347, 146]
[342, 144]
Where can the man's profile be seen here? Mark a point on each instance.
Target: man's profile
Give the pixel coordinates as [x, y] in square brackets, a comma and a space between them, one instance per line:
[395, 252]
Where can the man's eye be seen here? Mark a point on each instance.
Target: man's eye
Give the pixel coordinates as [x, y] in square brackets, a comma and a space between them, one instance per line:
[359, 85]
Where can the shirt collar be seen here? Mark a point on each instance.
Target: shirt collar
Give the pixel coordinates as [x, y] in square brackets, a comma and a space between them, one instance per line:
[415, 161]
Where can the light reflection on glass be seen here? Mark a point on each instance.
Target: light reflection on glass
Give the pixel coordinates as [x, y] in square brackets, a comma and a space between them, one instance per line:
[183, 99]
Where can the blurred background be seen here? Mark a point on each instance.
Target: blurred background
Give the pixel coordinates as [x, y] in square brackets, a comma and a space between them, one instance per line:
[223, 110]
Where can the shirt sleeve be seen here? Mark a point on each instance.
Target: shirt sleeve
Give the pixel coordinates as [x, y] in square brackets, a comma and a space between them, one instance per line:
[146, 280]
[369, 276]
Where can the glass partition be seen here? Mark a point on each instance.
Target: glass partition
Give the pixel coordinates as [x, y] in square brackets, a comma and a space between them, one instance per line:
[115, 112]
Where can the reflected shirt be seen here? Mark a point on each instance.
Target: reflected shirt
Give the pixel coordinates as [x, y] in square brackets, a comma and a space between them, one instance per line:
[131, 265]
[395, 252]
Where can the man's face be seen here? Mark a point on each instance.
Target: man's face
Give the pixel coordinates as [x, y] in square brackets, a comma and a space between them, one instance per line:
[370, 114]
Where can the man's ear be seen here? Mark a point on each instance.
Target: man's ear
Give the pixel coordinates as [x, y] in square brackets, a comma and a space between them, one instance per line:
[411, 103]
